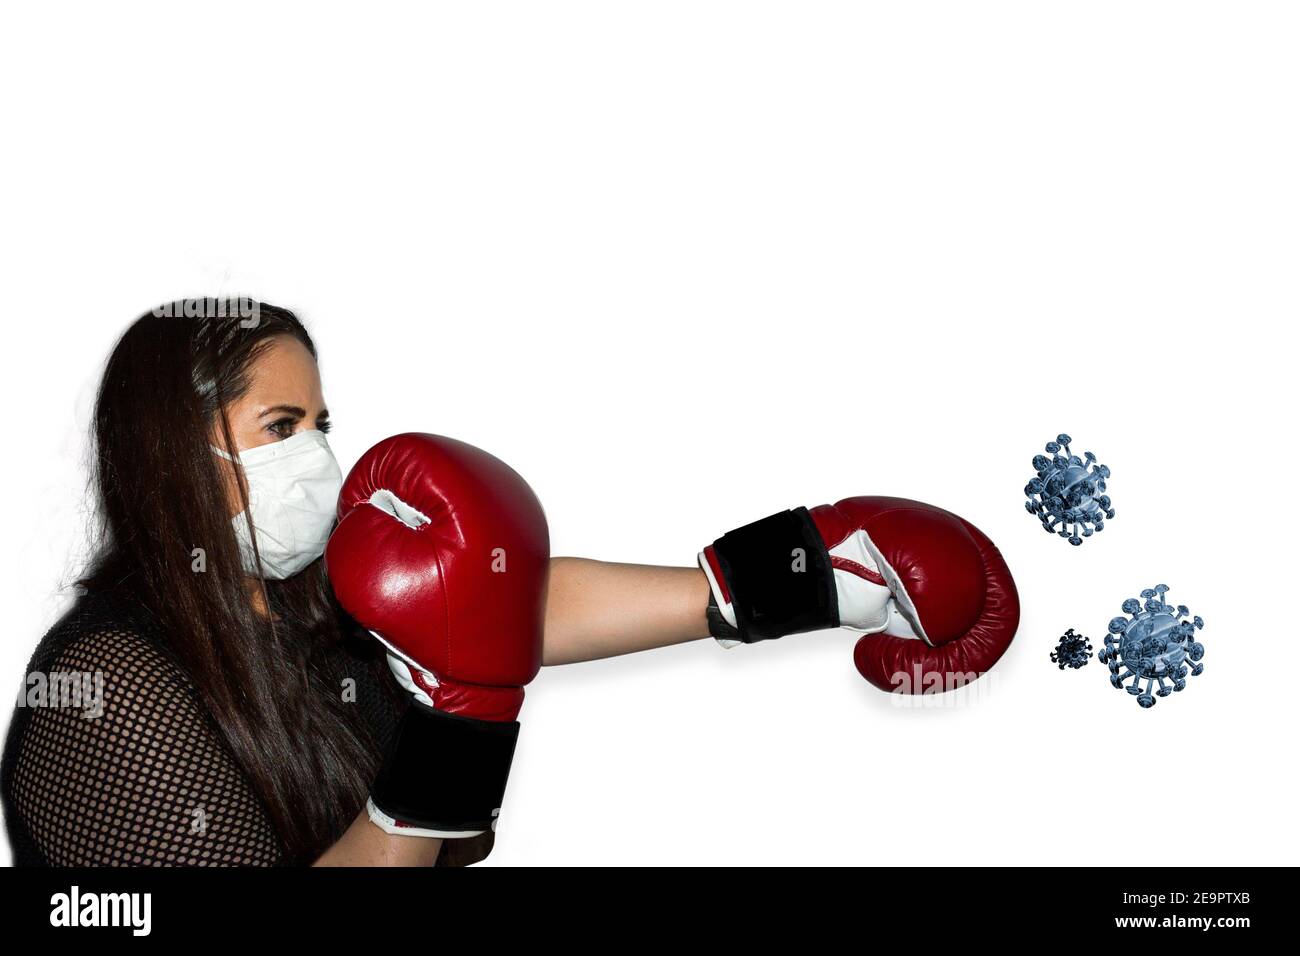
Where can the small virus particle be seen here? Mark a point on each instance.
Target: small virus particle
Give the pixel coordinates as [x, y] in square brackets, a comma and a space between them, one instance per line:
[1154, 644]
[1072, 651]
[1069, 492]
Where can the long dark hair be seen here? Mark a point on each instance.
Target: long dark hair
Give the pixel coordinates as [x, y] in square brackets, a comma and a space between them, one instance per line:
[271, 685]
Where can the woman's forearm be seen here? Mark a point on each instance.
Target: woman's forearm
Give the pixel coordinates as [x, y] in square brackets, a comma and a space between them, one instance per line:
[598, 609]
[364, 844]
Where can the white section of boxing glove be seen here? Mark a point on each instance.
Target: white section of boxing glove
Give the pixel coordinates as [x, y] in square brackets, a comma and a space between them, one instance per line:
[395, 828]
[897, 615]
[863, 604]
[899, 624]
[405, 670]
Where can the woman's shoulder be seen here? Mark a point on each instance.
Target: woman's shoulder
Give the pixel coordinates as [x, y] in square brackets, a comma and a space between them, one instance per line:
[107, 654]
[106, 632]
[110, 759]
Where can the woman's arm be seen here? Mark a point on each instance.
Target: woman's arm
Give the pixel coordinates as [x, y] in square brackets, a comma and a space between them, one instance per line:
[364, 844]
[598, 609]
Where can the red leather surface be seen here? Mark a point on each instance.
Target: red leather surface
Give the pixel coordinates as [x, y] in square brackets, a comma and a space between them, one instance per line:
[961, 586]
[437, 591]
[711, 556]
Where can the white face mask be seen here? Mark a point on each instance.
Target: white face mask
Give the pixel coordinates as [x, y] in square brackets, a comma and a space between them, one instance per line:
[293, 490]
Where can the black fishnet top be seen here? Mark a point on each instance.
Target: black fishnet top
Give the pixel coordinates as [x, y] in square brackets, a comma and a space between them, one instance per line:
[132, 771]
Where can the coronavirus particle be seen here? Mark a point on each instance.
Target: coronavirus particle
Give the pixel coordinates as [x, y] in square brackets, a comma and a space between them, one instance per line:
[1072, 650]
[1154, 644]
[1068, 493]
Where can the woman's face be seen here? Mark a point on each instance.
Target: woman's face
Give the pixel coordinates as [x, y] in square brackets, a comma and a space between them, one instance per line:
[284, 398]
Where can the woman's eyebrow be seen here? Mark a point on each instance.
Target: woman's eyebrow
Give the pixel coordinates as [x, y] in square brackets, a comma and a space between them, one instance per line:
[294, 410]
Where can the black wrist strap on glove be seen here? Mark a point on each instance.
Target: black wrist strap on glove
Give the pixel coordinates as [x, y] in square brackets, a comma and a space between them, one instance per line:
[780, 577]
[444, 772]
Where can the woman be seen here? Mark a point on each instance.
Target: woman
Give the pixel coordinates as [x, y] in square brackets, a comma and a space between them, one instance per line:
[238, 718]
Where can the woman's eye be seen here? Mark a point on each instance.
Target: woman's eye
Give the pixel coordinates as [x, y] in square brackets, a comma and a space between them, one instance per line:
[281, 429]
[324, 427]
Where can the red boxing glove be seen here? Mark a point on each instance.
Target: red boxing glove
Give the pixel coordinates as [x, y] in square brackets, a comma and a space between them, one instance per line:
[442, 552]
[931, 594]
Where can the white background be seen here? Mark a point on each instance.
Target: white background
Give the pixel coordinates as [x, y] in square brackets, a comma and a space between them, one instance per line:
[685, 264]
